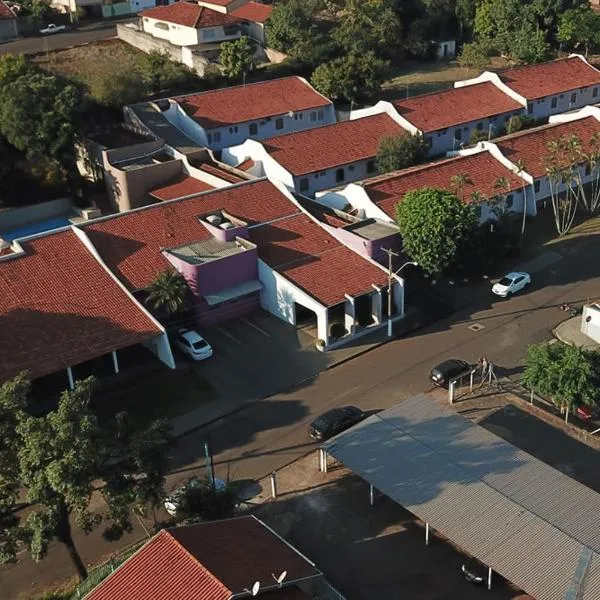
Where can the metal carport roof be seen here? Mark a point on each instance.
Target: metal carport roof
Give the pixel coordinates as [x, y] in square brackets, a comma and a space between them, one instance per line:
[529, 522]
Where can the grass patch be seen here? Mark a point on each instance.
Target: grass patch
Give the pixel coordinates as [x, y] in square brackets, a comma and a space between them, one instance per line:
[162, 394]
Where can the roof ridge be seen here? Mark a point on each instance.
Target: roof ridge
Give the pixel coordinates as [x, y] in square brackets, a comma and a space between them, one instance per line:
[539, 128]
[447, 90]
[530, 66]
[197, 21]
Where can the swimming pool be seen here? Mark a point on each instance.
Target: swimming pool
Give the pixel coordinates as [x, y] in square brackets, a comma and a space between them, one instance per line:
[33, 228]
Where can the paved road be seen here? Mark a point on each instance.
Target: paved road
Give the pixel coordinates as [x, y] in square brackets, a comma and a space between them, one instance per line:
[81, 35]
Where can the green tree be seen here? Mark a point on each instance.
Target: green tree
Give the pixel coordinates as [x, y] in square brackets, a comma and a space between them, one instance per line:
[59, 460]
[480, 135]
[401, 151]
[579, 27]
[351, 78]
[117, 89]
[205, 502]
[434, 224]
[563, 373]
[465, 13]
[529, 45]
[289, 24]
[236, 57]
[168, 292]
[160, 72]
[474, 56]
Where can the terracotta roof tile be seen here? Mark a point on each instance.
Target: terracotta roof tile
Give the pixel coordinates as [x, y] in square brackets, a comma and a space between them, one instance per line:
[530, 146]
[482, 168]
[440, 110]
[252, 102]
[333, 145]
[5, 12]
[303, 252]
[182, 185]
[246, 165]
[130, 243]
[190, 14]
[220, 173]
[59, 307]
[555, 77]
[210, 561]
[253, 11]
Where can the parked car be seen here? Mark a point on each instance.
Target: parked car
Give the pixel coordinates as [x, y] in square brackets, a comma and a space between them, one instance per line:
[173, 501]
[52, 28]
[335, 421]
[190, 342]
[511, 283]
[474, 571]
[448, 370]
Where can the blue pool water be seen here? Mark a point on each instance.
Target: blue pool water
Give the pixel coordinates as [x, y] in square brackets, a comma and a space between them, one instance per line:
[33, 228]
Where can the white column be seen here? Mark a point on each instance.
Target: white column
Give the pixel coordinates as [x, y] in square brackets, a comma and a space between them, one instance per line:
[489, 582]
[426, 534]
[71, 380]
[115, 361]
[350, 314]
[323, 325]
[377, 305]
[371, 495]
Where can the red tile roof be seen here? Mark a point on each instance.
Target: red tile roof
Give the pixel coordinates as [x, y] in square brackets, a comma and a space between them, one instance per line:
[251, 102]
[303, 252]
[221, 173]
[440, 110]
[482, 168]
[5, 12]
[182, 185]
[219, 2]
[246, 165]
[253, 11]
[59, 307]
[530, 146]
[210, 561]
[547, 79]
[333, 145]
[131, 243]
[190, 14]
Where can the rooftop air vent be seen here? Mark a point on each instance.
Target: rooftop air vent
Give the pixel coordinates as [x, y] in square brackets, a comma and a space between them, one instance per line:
[227, 225]
[214, 219]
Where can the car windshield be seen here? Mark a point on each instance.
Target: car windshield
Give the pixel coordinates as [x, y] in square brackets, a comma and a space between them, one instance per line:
[505, 281]
[199, 345]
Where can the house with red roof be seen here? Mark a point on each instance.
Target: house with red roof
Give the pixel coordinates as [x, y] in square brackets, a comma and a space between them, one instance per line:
[548, 88]
[217, 560]
[8, 23]
[318, 159]
[225, 117]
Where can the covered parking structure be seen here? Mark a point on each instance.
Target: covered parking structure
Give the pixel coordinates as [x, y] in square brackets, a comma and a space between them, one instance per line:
[529, 522]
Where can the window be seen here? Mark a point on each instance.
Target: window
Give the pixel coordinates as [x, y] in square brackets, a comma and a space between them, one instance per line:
[340, 175]
[371, 166]
[588, 170]
[479, 126]
[536, 186]
[351, 168]
[217, 136]
[209, 34]
[529, 109]
[429, 141]
[298, 116]
[509, 201]
[304, 184]
[253, 128]
[209, 136]
[554, 102]
[231, 29]
[595, 93]
[233, 129]
[573, 98]
[164, 26]
[320, 115]
[313, 117]
[458, 134]
[279, 123]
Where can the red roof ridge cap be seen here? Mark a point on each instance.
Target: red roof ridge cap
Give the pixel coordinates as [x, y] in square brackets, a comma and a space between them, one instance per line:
[531, 130]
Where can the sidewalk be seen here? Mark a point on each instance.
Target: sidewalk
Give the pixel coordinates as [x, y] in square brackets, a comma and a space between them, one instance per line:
[569, 332]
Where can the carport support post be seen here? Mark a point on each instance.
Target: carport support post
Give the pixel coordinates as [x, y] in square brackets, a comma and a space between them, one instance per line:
[451, 391]
[323, 460]
[371, 495]
[115, 361]
[489, 578]
[426, 533]
[273, 484]
[471, 381]
[70, 376]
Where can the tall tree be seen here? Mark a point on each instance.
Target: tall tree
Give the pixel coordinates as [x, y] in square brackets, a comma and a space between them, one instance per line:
[289, 24]
[237, 56]
[59, 460]
[168, 292]
[434, 224]
[401, 151]
[474, 56]
[579, 27]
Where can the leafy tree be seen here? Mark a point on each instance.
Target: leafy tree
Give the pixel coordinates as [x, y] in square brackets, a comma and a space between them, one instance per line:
[160, 72]
[40, 10]
[236, 57]
[168, 292]
[289, 24]
[563, 373]
[117, 89]
[60, 459]
[474, 56]
[579, 27]
[418, 40]
[529, 45]
[401, 151]
[465, 13]
[350, 77]
[434, 224]
[480, 135]
[205, 502]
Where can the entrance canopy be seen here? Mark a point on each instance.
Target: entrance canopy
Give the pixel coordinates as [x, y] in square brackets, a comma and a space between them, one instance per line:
[529, 522]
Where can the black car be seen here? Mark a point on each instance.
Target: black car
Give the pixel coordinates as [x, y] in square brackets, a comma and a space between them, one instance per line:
[448, 370]
[335, 421]
[474, 571]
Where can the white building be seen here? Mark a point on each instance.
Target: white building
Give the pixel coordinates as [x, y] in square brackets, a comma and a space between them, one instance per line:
[225, 117]
[321, 158]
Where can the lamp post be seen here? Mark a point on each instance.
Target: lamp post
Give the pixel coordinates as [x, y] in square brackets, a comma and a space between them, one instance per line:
[391, 274]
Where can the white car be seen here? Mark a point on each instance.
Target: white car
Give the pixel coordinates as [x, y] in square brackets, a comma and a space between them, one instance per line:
[511, 283]
[52, 28]
[172, 501]
[190, 342]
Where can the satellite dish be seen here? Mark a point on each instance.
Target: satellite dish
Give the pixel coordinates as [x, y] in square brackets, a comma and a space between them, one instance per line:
[255, 588]
[280, 579]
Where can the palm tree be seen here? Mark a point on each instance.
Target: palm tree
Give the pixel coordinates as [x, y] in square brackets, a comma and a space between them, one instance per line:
[520, 164]
[168, 292]
[458, 182]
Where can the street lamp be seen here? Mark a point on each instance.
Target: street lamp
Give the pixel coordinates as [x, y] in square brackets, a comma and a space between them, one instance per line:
[391, 274]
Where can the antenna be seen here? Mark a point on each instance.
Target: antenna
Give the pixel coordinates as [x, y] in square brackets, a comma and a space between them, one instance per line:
[255, 589]
[279, 579]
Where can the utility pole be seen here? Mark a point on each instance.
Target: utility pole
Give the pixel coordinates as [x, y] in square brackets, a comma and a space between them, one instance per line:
[390, 254]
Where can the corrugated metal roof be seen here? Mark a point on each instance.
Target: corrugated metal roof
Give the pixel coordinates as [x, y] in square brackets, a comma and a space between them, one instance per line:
[529, 522]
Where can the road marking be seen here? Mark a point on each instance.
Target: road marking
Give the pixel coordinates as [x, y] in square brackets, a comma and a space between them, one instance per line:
[259, 329]
[228, 335]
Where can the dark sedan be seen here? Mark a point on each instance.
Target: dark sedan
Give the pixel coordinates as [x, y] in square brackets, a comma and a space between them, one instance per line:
[335, 421]
[448, 370]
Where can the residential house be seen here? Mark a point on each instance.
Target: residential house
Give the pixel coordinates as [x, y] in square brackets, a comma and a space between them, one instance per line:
[481, 178]
[548, 88]
[216, 560]
[8, 23]
[254, 16]
[318, 159]
[448, 119]
[225, 117]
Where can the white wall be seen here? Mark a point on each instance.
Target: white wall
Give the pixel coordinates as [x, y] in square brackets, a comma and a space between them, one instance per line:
[495, 79]
[209, 35]
[328, 179]
[384, 107]
[176, 34]
[357, 197]
[590, 322]
[542, 108]
[446, 49]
